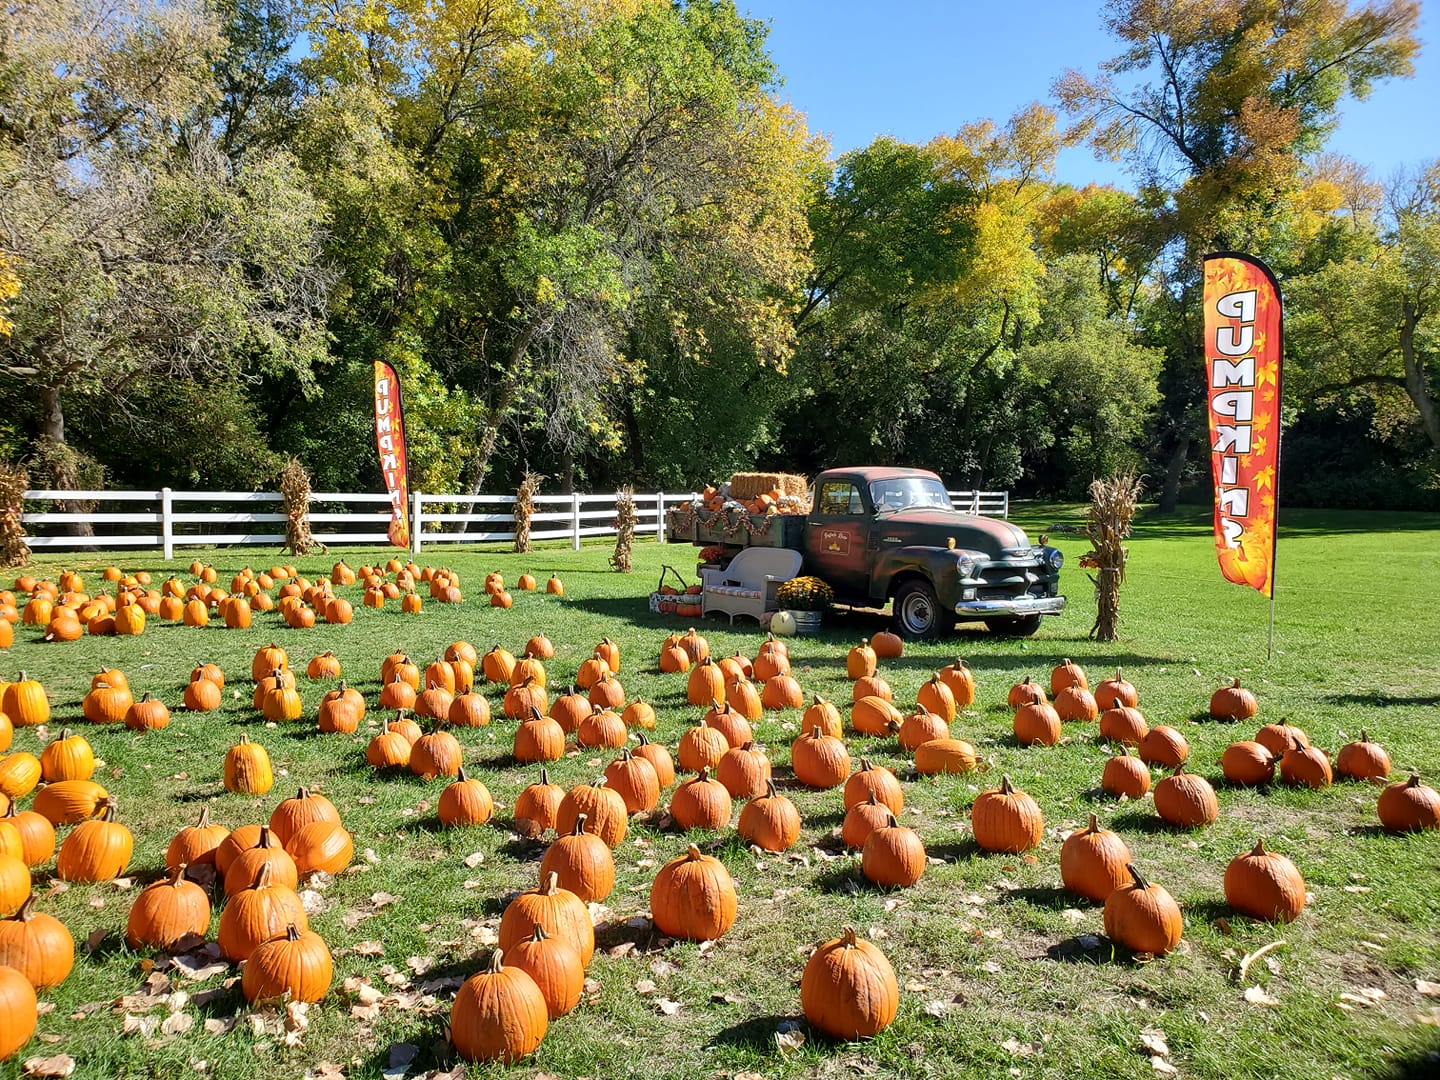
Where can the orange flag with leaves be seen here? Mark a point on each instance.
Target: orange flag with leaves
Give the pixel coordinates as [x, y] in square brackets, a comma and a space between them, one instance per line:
[390, 442]
[1242, 366]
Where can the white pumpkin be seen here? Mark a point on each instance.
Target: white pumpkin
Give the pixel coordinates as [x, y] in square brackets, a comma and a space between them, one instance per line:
[782, 624]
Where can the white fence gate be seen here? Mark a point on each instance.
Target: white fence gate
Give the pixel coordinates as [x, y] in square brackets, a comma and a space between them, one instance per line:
[168, 519]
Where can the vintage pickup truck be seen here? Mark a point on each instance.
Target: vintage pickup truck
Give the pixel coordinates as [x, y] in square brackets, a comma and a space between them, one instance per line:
[879, 534]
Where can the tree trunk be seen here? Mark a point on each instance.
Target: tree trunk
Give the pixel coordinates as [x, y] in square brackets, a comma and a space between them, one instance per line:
[495, 415]
[1415, 374]
[567, 472]
[1170, 493]
[52, 427]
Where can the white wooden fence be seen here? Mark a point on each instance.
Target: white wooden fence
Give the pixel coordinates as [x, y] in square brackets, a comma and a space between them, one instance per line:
[167, 519]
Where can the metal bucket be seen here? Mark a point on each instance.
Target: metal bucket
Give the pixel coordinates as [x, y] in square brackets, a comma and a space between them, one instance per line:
[807, 622]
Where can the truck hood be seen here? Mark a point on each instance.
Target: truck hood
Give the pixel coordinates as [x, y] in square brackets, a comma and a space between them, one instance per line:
[933, 528]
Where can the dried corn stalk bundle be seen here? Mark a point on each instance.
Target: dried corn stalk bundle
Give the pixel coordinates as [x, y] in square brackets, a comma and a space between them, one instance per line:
[295, 488]
[624, 529]
[14, 481]
[1112, 509]
[525, 507]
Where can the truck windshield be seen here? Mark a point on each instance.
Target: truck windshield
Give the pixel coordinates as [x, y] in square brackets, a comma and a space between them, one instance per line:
[902, 492]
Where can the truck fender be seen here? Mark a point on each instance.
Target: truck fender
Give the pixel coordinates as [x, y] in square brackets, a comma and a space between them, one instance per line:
[940, 565]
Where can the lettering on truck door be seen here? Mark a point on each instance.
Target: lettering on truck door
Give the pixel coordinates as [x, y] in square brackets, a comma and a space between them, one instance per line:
[838, 527]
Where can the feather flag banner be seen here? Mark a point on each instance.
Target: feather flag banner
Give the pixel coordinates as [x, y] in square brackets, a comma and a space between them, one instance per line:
[1243, 326]
[390, 442]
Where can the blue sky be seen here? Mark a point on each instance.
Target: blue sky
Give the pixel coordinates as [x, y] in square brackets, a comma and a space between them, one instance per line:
[916, 68]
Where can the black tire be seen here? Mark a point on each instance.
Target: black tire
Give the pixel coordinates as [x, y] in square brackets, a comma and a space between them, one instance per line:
[1014, 626]
[918, 614]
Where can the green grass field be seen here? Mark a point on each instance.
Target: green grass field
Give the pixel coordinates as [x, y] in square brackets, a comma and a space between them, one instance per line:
[1001, 973]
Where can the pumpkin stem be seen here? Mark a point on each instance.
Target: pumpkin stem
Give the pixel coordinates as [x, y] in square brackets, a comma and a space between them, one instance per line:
[815, 732]
[550, 884]
[847, 938]
[262, 877]
[644, 741]
[872, 801]
[864, 764]
[1414, 781]
[27, 909]
[770, 792]
[1094, 825]
[703, 776]
[890, 822]
[692, 853]
[535, 713]
[1235, 684]
[1006, 788]
[579, 829]
[1363, 736]
[108, 814]
[819, 700]
[496, 962]
[291, 934]
[266, 839]
[538, 934]
[177, 873]
[303, 793]
[1140, 882]
[1259, 848]
[460, 775]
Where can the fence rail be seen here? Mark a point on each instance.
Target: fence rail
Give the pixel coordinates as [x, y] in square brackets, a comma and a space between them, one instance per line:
[204, 518]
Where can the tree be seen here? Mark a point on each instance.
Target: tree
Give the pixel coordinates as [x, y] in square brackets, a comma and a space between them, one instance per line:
[575, 170]
[1370, 325]
[145, 255]
[1216, 105]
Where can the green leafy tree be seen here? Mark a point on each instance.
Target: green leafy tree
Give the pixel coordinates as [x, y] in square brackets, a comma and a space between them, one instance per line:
[1228, 98]
[146, 256]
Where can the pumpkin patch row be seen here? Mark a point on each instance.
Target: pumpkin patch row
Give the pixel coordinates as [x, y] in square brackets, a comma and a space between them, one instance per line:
[721, 763]
[66, 611]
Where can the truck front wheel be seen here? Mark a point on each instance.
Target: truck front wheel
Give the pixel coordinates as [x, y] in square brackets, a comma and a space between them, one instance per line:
[1014, 626]
[917, 612]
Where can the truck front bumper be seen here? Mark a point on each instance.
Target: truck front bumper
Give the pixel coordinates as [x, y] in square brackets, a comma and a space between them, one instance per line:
[1019, 605]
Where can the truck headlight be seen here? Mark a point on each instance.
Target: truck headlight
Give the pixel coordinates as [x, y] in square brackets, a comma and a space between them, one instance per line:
[1054, 558]
[966, 566]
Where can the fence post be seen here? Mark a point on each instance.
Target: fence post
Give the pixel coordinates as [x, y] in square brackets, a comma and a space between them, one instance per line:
[575, 521]
[1005, 512]
[167, 526]
[415, 522]
[660, 516]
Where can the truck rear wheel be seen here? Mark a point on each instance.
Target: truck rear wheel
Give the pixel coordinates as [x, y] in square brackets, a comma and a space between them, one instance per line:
[917, 613]
[1015, 625]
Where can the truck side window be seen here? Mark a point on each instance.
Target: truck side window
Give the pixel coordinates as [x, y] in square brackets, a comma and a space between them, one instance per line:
[840, 497]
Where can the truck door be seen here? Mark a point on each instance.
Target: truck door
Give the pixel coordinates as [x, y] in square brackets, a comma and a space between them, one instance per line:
[836, 536]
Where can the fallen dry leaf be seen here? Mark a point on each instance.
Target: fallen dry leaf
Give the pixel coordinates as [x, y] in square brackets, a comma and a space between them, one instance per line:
[1153, 1039]
[1366, 996]
[1428, 989]
[668, 1007]
[937, 1008]
[325, 1070]
[1256, 996]
[368, 948]
[1160, 1065]
[1019, 1049]
[401, 1055]
[177, 1023]
[221, 1026]
[789, 1038]
[1250, 958]
[59, 1066]
[645, 986]
[474, 860]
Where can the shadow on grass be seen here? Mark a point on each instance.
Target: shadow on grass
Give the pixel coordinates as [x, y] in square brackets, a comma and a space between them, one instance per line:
[756, 1033]
[1050, 898]
[1422, 1065]
[1138, 822]
[522, 849]
[1210, 911]
[1381, 701]
[963, 850]
[1087, 949]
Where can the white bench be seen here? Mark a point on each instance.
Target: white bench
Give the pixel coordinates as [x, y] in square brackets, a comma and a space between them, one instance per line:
[749, 584]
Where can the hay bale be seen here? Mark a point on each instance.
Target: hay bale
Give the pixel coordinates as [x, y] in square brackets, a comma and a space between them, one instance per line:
[794, 484]
[749, 485]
